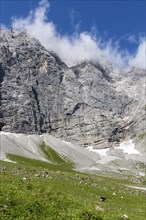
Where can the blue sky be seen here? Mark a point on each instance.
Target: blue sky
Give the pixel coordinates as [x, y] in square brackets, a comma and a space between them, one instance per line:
[115, 17]
[122, 22]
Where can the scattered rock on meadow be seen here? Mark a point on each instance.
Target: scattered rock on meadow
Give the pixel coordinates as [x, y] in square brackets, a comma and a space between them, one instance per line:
[125, 216]
[98, 208]
[102, 198]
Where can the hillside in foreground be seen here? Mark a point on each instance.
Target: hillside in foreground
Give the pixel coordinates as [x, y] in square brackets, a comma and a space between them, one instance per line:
[32, 189]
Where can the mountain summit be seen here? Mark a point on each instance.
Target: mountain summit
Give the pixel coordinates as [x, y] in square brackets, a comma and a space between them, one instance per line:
[87, 104]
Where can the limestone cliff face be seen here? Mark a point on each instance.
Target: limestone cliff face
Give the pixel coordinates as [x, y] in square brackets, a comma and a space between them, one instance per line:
[88, 104]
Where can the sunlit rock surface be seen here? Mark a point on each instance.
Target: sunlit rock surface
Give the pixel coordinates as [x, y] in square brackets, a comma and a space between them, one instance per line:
[88, 104]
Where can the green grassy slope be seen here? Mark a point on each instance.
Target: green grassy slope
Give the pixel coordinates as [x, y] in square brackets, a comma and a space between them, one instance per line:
[32, 189]
[54, 157]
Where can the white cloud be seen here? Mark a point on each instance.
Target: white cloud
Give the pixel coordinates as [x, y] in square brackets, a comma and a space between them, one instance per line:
[132, 38]
[139, 59]
[75, 20]
[78, 47]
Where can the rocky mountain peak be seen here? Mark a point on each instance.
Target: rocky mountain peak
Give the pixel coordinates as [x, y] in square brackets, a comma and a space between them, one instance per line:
[87, 104]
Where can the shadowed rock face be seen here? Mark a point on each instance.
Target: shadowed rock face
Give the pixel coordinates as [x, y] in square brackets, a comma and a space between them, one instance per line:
[88, 104]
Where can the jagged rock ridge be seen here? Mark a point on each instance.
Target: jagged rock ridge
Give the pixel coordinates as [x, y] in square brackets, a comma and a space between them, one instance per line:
[88, 104]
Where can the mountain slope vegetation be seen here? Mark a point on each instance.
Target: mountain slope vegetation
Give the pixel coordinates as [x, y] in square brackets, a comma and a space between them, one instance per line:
[32, 189]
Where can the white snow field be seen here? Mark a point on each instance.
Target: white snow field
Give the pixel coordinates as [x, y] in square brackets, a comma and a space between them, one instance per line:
[102, 152]
[128, 147]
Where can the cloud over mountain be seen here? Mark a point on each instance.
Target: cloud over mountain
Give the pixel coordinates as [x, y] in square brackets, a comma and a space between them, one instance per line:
[80, 46]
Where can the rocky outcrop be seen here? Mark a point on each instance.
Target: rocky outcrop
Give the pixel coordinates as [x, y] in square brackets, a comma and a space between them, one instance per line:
[88, 104]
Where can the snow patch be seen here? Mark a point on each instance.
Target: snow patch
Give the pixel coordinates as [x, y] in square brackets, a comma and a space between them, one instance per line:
[128, 147]
[65, 141]
[101, 152]
[141, 174]
[123, 168]
[93, 168]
